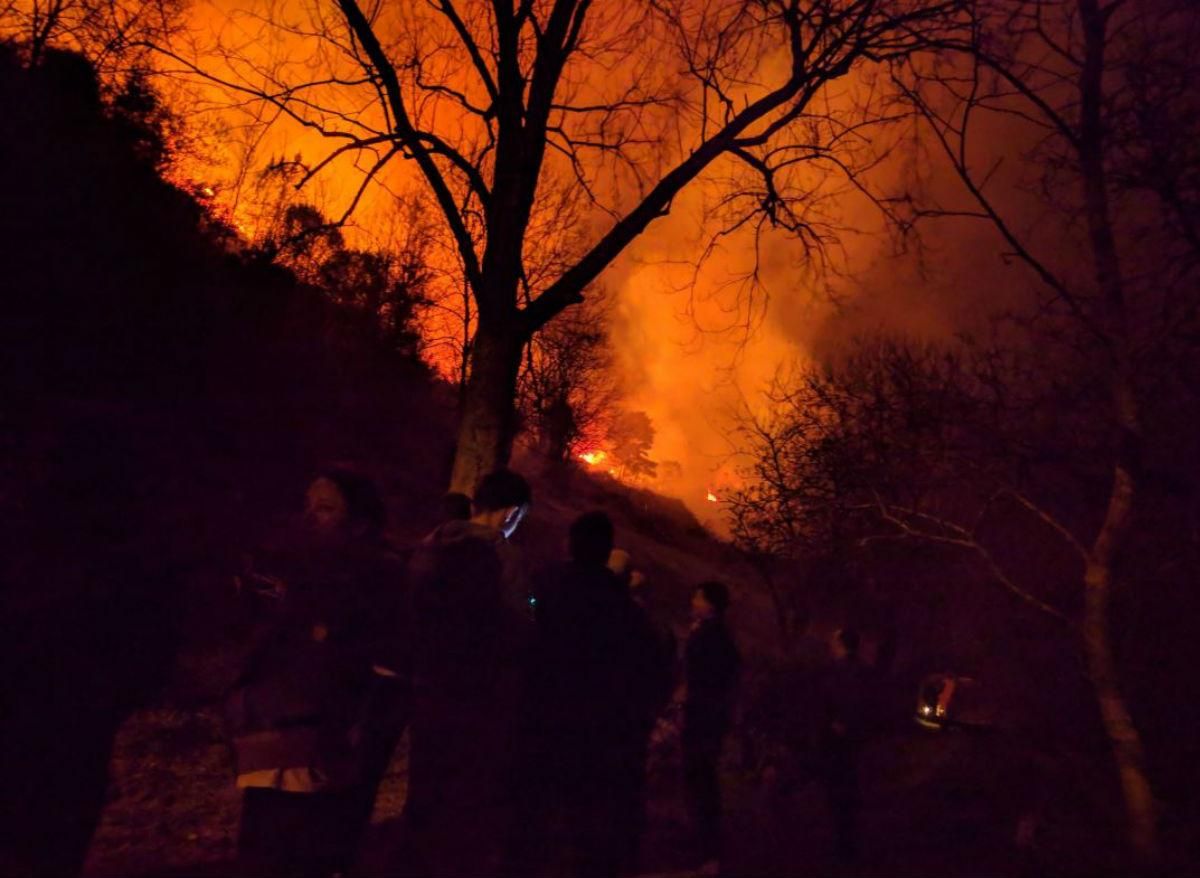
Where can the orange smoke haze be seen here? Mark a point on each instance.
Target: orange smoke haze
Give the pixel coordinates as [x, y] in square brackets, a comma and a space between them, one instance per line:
[691, 348]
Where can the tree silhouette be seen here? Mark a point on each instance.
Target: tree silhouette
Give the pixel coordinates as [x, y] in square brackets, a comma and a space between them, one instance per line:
[631, 437]
[388, 289]
[111, 34]
[505, 109]
[566, 390]
[1099, 87]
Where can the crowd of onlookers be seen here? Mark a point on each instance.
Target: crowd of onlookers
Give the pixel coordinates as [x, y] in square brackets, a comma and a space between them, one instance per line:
[529, 698]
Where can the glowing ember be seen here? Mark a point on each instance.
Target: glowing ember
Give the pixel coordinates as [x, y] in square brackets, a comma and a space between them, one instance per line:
[593, 458]
[711, 497]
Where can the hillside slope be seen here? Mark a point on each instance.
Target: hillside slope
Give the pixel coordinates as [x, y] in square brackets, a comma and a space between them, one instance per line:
[167, 399]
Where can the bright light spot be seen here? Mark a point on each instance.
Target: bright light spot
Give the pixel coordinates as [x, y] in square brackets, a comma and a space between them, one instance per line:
[711, 497]
[593, 458]
[207, 192]
[925, 709]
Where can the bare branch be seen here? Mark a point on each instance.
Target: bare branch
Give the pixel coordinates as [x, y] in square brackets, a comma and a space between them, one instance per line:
[902, 520]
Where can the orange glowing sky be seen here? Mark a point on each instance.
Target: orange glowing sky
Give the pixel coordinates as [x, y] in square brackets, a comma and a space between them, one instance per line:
[680, 355]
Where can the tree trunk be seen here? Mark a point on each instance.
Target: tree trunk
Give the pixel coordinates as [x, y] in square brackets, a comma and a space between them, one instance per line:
[488, 424]
[1122, 734]
[1123, 737]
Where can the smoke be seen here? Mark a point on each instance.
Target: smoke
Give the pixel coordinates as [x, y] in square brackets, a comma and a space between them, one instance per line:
[694, 345]
[690, 358]
[685, 352]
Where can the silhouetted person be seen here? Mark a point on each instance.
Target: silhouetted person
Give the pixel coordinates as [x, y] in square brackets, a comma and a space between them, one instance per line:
[471, 628]
[588, 702]
[663, 671]
[307, 712]
[711, 664]
[845, 700]
[659, 680]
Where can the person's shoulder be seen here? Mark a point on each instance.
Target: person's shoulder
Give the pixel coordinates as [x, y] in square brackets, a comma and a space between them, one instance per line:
[453, 551]
[461, 540]
[456, 531]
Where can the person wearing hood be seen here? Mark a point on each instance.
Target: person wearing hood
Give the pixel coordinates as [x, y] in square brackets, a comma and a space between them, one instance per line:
[471, 626]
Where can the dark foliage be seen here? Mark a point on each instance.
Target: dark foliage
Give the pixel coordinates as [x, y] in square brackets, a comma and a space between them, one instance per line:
[165, 397]
[928, 477]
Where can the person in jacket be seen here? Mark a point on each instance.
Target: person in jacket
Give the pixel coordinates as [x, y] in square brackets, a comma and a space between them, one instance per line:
[471, 629]
[664, 668]
[659, 678]
[711, 665]
[845, 708]
[305, 739]
[588, 695]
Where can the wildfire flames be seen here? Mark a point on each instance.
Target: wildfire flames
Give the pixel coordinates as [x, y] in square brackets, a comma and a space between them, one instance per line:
[599, 459]
[676, 383]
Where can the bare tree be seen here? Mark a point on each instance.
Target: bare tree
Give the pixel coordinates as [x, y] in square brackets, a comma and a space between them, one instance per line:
[388, 286]
[567, 392]
[301, 238]
[1090, 84]
[502, 106]
[630, 438]
[888, 419]
[955, 446]
[111, 34]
